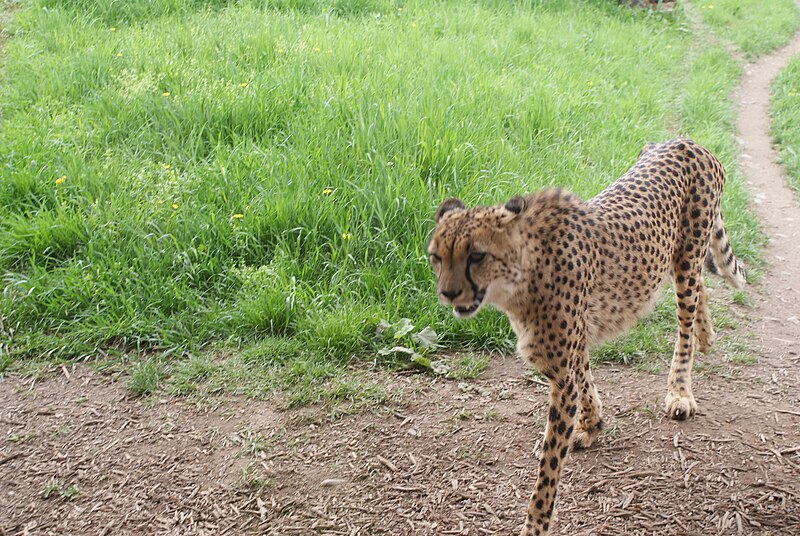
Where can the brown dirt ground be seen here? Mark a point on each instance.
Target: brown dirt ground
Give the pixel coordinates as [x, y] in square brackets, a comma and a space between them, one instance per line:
[449, 457]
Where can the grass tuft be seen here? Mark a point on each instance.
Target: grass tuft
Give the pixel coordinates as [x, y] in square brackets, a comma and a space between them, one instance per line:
[145, 377]
[468, 367]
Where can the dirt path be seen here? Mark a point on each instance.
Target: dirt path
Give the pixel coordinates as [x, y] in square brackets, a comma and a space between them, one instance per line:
[78, 456]
[778, 302]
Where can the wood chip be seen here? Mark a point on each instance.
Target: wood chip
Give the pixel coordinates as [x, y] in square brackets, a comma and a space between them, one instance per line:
[389, 465]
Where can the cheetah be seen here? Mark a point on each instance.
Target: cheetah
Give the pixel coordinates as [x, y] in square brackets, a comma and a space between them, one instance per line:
[570, 275]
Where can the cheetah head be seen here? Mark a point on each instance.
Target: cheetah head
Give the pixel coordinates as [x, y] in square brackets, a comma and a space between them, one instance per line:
[471, 252]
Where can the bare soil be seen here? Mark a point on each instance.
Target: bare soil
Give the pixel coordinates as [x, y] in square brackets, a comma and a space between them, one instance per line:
[78, 455]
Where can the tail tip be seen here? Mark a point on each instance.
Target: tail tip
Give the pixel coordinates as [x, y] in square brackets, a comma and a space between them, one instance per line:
[740, 276]
[710, 265]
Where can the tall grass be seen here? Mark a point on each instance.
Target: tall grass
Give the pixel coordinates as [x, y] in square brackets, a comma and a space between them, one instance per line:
[175, 173]
[786, 118]
[754, 26]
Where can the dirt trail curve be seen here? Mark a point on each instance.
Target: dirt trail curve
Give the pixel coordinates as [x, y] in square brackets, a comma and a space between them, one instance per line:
[79, 456]
[778, 303]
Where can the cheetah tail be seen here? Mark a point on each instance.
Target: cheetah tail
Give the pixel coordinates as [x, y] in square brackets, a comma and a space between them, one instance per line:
[720, 259]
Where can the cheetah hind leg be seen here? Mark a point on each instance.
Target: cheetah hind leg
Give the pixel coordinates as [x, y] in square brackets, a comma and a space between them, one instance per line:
[590, 423]
[703, 336]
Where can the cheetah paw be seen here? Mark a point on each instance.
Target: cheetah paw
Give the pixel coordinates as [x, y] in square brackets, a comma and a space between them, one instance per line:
[583, 438]
[680, 407]
[704, 341]
[530, 529]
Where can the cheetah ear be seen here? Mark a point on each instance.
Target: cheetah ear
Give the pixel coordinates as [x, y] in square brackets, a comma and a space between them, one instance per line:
[516, 204]
[448, 205]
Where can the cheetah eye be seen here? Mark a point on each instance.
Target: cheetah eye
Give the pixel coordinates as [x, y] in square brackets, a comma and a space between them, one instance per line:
[476, 257]
[434, 258]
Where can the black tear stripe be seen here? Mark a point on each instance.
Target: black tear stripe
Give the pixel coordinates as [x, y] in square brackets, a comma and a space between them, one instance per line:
[471, 283]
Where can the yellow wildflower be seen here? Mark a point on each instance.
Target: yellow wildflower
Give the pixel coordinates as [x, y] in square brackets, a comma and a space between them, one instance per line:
[590, 83]
[119, 54]
[327, 191]
[243, 84]
[346, 236]
[112, 29]
[238, 216]
[61, 179]
[174, 206]
[166, 93]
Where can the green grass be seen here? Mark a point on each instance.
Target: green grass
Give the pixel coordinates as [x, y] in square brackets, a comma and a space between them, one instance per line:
[265, 369]
[786, 117]
[738, 352]
[754, 26]
[252, 479]
[652, 337]
[468, 367]
[146, 377]
[57, 487]
[189, 177]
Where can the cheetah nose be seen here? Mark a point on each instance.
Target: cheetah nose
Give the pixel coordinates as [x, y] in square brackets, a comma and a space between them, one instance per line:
[451, 294]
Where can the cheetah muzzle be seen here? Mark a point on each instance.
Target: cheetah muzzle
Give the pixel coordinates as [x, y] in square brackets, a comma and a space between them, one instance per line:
[571, 274]
[466, 312]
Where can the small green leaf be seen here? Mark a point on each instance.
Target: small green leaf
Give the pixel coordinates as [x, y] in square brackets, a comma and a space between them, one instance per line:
[423, 362]
[437, 367]
[402, 328]
[427, 338]
[397, 349]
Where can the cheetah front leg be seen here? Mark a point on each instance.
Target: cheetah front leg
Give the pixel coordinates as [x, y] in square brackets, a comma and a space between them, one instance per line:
[555, 447]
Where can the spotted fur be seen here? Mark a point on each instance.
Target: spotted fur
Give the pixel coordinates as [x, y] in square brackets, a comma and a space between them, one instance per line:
[571, 274]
